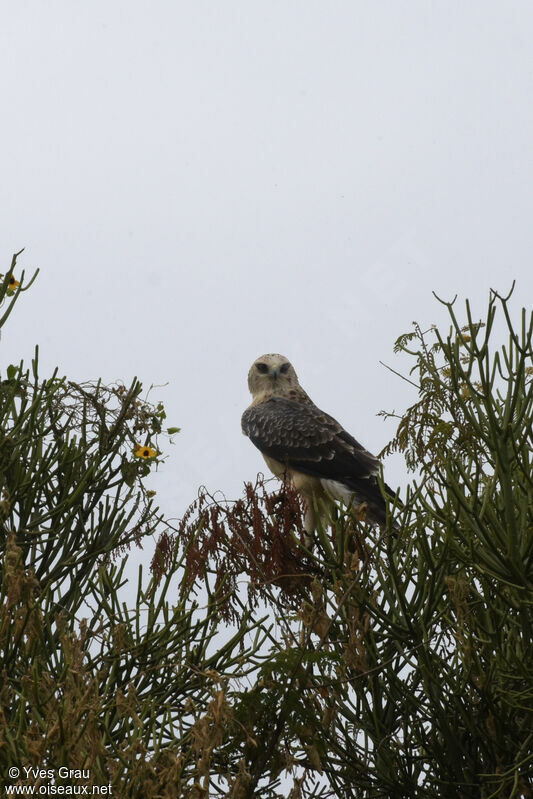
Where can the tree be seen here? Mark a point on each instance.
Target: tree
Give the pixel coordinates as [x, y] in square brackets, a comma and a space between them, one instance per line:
[128, 697]
[381, 663]
[407, 669]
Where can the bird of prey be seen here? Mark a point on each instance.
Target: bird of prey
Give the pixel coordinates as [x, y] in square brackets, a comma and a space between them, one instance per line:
[301, 443]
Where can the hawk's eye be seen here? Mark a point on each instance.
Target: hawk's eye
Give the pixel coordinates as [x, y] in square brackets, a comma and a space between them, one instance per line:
[284, 368]
[262, 367]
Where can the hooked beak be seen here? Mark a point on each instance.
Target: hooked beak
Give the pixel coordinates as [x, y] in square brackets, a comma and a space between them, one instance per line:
[275, 373]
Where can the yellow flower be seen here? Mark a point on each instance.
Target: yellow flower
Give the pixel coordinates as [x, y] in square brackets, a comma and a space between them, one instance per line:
[12, 284]
[144, 452]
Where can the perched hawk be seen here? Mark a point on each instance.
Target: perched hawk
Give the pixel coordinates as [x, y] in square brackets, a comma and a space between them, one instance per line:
[306, 445]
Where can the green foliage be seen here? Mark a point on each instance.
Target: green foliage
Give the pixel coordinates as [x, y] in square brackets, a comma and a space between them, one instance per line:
[383, 663]
[408, 669]
[432, 689]
[134, 695]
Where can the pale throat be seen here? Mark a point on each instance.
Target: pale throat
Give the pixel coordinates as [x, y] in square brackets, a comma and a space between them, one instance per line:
[262, 393]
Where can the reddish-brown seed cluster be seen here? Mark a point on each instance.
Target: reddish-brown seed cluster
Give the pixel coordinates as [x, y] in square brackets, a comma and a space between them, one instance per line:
[255, 536]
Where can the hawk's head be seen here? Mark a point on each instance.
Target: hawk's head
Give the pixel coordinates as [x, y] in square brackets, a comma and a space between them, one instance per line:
[271, 374]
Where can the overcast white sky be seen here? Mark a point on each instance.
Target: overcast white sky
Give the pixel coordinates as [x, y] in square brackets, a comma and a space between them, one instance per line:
[203, 182]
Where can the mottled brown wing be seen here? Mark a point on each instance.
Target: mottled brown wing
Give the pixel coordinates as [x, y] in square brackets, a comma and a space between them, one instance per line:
[308, 440]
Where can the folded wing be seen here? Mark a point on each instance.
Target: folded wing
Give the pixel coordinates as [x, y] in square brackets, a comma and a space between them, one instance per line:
[304, 438]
